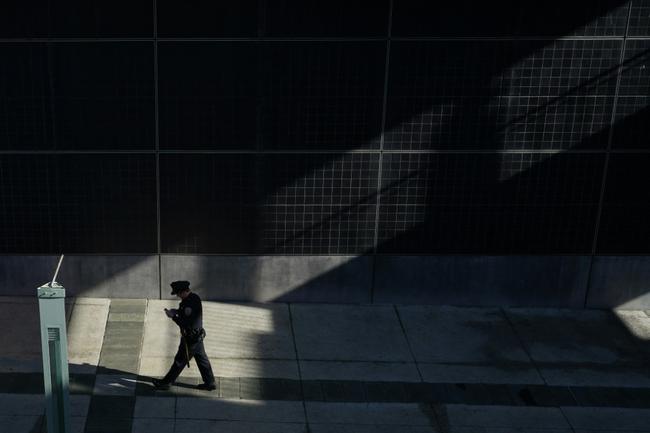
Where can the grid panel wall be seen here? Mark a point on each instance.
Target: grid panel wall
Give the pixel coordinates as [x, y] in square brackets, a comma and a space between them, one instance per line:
[77, 203]
[207, 18]
[271, 144]
[319, 204]
[624, 227]
[632, 123]
[640, 18]
[208, 203]
[103, 96]
[76, 96]
[635, 76]
[471, 18]
[334, 18]
[25, 113]
[76, 18]
[489, 203]
[208, 95]
[501, 95]
[288, 95]
[283, 204]
[279, 18]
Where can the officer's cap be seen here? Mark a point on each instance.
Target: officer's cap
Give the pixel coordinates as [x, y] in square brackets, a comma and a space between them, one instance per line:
[179, 286]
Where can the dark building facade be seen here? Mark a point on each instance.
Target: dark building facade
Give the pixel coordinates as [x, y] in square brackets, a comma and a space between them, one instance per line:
[459, 152]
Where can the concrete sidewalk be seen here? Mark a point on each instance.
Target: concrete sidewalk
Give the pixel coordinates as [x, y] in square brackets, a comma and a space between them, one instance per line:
[338, 368]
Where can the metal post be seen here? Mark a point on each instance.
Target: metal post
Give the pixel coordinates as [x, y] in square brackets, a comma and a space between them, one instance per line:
[54, 346]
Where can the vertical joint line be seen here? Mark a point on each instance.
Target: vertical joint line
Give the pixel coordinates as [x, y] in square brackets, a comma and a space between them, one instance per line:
[261, 18]
[610, 136]
[157, 142]
[608, 150]
[408, 342]
[375, 243]
[522, 343]
[50, 80]
[295, 349]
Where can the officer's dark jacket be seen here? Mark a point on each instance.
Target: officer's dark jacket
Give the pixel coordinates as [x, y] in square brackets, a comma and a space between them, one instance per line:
[190, 314]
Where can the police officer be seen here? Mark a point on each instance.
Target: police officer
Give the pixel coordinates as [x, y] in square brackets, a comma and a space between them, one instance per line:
[189, 318]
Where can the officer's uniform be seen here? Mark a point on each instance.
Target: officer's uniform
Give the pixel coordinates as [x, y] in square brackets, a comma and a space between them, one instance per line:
[189, 318]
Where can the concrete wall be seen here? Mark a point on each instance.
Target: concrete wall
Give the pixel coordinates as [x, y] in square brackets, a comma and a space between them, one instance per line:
[91, 276]
[483, 280]
[620, 280]
[340, 279]
[543, 281]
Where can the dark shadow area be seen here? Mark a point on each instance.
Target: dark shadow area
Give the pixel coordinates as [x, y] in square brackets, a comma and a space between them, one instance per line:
[487, 121]
[468, 18]
[570, 341]
[450, 95]
[77, 203]
[271, 198]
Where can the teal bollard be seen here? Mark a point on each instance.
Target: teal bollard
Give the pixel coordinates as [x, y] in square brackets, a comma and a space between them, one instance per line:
[54, 345]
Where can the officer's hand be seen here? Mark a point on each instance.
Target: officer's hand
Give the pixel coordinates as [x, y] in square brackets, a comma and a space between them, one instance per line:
[170, 313]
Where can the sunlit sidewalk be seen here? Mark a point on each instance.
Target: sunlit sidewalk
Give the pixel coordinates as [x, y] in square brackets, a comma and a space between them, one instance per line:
[338, 368]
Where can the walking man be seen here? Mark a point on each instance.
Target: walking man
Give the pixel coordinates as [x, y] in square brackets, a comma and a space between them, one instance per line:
[189, 318]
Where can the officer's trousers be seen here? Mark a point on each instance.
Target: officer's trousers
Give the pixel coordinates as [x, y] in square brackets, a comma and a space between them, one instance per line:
[197, 351]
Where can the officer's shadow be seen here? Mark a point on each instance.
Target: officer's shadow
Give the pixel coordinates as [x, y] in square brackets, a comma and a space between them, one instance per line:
[98, 395]
[113, 381]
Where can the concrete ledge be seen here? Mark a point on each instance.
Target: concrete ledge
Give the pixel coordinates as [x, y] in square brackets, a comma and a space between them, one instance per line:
[515, 281]
[620, 282]
[337, 279]
[105, 276]
[541, 281]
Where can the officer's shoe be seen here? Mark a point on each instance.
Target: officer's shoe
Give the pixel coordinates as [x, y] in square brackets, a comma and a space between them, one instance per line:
[207, 386]
[160, 384]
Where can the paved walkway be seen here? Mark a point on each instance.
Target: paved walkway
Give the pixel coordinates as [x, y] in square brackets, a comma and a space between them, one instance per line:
[338, 368]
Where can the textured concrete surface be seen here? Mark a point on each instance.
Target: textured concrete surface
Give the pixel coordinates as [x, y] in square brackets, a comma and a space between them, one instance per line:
[511, 374]
[97, 276]
[155, 407]
[346, 332]
[370, 413]
[504, 281]
[461, 335]
[20, 346]
[502, 417]
[115, 384]
[157, 425]
[340, 279]
[217, 426]
[541, 281]
[251, 340]
[233, 331]
[608, 419]
[34, 424]
[343, 368]
[370, 428]
[29, 404]
[21, 350]
[353, 370]
[242, 410]
[86, 333]
[575, 337]
[620, 281]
